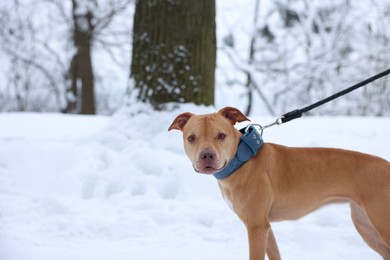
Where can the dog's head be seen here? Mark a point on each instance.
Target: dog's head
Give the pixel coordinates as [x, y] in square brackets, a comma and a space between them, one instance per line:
[210, 141]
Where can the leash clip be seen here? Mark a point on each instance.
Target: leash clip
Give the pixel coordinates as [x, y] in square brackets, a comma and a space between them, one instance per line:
[278, 121]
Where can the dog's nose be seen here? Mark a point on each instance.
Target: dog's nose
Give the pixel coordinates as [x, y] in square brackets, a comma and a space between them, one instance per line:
[207, 155]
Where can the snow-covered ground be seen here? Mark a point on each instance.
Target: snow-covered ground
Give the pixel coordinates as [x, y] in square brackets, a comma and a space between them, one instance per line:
[79, 187]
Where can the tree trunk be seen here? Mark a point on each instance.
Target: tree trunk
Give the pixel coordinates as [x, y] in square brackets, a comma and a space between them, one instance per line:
[87, 80]
[82, 77]
[72, 91]
[174, 51]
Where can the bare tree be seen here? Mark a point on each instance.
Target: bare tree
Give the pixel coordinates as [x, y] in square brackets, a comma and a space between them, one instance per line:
[301, 51]
[88, 23]
[61, 67]
[30, 84]
[246, 67]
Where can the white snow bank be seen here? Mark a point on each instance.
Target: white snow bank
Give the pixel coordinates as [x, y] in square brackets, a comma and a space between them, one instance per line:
[79, 187]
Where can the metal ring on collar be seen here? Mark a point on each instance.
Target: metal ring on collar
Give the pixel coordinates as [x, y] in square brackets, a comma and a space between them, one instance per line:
[261, 128]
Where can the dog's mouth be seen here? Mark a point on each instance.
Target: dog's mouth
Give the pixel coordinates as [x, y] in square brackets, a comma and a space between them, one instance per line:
[208, 169]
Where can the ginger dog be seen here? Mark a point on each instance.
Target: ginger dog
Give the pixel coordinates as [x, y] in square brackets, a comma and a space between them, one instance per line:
[282, 183]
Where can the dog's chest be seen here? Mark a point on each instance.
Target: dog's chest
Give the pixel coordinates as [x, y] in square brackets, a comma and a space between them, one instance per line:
[228, 202]
[226, 196]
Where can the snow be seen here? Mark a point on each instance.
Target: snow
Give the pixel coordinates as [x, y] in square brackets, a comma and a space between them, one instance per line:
[121, 187]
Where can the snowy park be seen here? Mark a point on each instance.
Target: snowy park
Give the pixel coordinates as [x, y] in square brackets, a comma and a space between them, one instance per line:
[88, 169]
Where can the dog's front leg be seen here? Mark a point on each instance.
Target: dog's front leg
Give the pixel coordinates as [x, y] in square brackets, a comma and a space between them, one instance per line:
[272, 247]
[257, 236]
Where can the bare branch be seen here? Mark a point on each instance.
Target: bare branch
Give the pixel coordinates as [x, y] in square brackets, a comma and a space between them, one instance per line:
[105, 20]
[39, 67]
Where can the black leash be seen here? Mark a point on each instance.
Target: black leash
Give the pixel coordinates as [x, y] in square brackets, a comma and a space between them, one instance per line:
[298, 112]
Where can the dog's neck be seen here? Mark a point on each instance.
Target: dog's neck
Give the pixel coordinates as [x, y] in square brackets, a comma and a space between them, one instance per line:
[249, 145]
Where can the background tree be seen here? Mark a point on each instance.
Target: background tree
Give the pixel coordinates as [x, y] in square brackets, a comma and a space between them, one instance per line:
[81, 71]
[174, 51]
[301, 51]
[273, 55]
[30, 69]
[88, 22]
[49, 51]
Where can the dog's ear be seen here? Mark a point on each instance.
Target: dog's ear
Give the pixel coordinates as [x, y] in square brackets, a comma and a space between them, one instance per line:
[233, 114]
[180, 121]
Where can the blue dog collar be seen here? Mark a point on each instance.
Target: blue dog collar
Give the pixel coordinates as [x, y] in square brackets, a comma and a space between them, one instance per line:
[250, 143]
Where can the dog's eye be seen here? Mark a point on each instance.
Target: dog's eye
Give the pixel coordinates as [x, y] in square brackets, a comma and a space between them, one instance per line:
[191, 138]
[221, 136]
